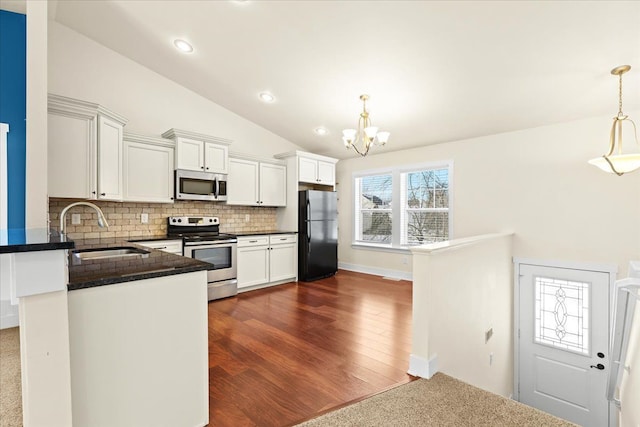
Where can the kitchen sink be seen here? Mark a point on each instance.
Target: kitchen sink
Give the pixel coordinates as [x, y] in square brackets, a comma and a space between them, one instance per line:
[102, 253]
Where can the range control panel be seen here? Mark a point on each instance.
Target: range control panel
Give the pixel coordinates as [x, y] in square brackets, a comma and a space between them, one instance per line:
[193, 221]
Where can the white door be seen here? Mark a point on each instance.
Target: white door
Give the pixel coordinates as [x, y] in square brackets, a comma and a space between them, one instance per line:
[564, 339]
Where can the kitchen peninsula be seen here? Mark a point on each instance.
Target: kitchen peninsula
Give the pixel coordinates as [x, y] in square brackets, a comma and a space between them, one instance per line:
[126, 332]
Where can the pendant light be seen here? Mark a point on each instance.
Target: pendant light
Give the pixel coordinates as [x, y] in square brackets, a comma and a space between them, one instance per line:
[615, 161]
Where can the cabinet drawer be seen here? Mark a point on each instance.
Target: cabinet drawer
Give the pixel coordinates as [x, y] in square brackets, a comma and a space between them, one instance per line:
[275, 239]
[172, 246]
[247, 241]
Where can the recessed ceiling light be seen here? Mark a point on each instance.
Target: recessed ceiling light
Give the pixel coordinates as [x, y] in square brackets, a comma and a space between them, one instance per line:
[183, 46]
[267, 97]
[321, 131]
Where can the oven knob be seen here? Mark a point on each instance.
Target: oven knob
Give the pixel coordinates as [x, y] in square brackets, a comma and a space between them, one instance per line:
[179, 220]
[210, 219]
[173, 220]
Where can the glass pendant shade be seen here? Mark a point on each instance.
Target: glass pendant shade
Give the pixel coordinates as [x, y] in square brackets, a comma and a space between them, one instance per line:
[371, 132]
[622, 163]
[383, 137]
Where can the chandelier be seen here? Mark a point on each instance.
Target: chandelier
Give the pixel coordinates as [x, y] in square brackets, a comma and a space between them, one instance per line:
[619, 163]
[366, 135]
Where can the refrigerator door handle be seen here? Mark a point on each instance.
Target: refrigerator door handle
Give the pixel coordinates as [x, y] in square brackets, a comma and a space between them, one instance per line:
[308, 227]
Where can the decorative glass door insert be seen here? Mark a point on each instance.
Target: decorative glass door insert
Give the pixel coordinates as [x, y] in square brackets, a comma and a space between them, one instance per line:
[562, 314]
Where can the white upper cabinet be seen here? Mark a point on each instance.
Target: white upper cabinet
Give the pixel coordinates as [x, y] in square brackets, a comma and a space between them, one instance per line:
[243, 186]
[85, 150]
[199, 152]
[189, 154]
[148, 169]
[326, 173]
[312, 168]
[110, 146]
[256, 183]
[316, 171]
[273, 185]
[307, 170]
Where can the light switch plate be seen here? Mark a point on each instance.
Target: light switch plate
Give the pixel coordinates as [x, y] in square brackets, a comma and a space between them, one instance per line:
[144, 218]
[76, 219]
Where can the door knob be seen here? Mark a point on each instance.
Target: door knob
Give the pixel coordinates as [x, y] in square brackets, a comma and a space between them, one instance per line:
[599, 366]
[601, 355]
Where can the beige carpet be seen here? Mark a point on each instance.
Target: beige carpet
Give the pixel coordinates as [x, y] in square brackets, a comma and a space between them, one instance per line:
[10, 385]
[441, 401]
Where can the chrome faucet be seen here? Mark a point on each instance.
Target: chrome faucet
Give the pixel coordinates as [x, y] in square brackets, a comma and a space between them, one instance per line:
[102, 221]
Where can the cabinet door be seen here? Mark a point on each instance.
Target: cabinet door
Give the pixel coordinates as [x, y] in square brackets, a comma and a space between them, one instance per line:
[307, 170]
[189, 154]
[215, 158]
[273, 185]
[326, 173]
[148, 173]
[282, 263]
[242, 183]
[71, 156]
[109, 159]
[253, 266]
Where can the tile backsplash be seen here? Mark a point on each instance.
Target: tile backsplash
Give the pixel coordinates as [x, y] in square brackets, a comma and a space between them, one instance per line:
[125, 218]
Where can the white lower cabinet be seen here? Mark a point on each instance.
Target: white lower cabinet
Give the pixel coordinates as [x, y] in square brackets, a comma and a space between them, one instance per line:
[265, 259]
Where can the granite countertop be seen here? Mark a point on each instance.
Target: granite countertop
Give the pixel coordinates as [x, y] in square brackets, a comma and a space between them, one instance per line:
[28, 240]
[261, 233]
[98, 272]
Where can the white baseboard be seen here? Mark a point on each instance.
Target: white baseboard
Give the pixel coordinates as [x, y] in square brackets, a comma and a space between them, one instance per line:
[421, 367]
[8, 315]
[404, 275]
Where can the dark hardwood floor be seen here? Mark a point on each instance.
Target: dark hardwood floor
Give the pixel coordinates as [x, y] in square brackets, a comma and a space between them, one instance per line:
[282, 355]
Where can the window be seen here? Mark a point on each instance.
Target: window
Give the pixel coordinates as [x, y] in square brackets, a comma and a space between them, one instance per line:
[373, 204]
[402, 207]
[425, 206]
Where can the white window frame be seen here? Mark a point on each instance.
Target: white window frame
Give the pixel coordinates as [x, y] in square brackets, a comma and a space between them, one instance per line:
[396, 206]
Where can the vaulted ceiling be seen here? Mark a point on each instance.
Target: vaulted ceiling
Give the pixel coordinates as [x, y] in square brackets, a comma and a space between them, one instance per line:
[435, 71]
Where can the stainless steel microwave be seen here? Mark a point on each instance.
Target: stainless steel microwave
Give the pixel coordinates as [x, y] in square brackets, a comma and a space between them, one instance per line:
[196, 185]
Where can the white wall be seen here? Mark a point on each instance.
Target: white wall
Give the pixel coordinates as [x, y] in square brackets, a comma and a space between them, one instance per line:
[534, 182]
[460, 292]
[83, 69]
[36, 202]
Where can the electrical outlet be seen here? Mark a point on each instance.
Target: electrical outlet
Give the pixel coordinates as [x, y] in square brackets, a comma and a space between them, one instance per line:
[488, 335]
[144, 218]
[490, 359]
[405, 260]
[76, 219]
[247, 218]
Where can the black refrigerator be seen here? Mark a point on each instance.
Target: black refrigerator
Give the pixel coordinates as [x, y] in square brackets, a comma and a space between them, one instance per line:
[317, 234]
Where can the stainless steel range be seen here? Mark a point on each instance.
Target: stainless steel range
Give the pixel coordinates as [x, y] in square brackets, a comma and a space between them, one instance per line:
[203, 241]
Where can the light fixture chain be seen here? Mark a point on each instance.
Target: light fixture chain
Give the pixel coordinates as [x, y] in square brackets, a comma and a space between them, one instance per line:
[620, 96]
